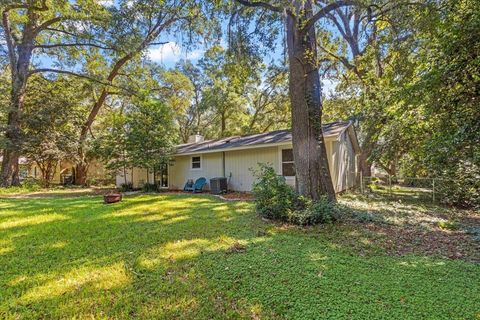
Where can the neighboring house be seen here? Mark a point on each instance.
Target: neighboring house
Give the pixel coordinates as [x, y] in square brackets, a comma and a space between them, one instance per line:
[64, 172]
[233, 157]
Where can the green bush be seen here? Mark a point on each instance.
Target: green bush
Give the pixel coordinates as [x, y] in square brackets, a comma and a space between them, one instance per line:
[126, 187]
[149, 187]
[314, 212]
[275, 199]
[28, 185]
[31, 184]
[462, 189]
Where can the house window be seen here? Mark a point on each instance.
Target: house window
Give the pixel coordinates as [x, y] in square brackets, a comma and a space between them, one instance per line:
[196, 162]
[288, 167]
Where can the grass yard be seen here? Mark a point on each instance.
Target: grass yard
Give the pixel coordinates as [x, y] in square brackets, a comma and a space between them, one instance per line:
[197, 257]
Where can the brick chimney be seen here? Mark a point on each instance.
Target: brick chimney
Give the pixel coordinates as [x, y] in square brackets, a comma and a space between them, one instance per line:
[195, 138]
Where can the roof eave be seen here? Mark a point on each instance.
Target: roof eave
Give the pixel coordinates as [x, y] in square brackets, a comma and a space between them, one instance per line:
[255, 146]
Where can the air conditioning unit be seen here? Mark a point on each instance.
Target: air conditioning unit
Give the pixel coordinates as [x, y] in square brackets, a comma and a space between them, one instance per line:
[218, 185]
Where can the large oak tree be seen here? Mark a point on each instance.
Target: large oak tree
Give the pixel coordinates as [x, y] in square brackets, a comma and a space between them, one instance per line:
[313, 177]
[28, 28]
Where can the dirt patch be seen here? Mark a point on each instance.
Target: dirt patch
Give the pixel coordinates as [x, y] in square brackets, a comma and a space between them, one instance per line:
[452, 244]
[236, 248]
[241, 196]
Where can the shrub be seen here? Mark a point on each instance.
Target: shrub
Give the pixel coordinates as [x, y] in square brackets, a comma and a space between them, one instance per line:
[275, 199]
[126, 187]
[149, 187]
[462, 189]
[28, 185]
[31, 184]
[313, 212]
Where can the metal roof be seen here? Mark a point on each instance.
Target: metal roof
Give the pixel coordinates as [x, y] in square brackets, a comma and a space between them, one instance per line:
[272, 137]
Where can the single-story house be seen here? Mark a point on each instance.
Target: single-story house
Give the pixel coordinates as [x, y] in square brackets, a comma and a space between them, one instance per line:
[233, 157]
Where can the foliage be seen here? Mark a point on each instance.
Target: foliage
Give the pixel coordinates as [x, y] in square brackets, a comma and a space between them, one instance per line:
[313, 212]
[80, 258]
[150, 133]
[125, 187]
[223, 95]
[28, 185]
[50, 135]
[448, 90]
[414, 93]
[149, 187]
[275, 199]
[448, 225]
[140, 133]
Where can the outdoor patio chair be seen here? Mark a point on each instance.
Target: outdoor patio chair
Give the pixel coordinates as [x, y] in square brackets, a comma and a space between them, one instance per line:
[188, 186]
[197, 186]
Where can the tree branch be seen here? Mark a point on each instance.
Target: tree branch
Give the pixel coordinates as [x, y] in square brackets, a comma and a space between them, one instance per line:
[158, 43]
[324, 12]
[266, 5]
[49, 46]
[48, 23]
[79, 75]
[9, 40]
[62, 31]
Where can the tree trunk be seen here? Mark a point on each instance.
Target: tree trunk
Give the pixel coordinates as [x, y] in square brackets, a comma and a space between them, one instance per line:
[390, 168]
[13, 133]
[81, 173]
[310, 155]
[367, 149]
[365, 164]
[82, 164]
[81, 167]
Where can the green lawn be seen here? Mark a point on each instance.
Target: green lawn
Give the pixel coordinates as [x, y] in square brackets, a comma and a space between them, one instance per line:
[196, 257]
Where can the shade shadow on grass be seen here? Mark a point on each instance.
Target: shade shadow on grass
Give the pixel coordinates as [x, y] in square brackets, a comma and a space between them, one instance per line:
[168, 257]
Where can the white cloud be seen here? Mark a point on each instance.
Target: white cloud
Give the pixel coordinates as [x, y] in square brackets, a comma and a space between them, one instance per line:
[171, 53]
[106, 3]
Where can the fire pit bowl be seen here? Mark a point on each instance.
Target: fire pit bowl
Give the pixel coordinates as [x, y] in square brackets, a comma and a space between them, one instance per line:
[112, 197]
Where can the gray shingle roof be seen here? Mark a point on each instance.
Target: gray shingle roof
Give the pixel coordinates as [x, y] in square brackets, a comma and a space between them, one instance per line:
[279, 136]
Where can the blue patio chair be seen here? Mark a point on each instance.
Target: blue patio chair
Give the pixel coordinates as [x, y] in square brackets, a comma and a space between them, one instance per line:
[188, 186]
[197, 186]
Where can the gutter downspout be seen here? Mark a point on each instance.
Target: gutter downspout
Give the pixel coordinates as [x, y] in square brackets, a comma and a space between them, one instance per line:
[223, 164]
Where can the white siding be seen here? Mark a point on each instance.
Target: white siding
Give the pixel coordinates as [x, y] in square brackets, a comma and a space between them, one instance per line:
[239, 163]
[340, 153]
[342, 165]
[180, 171]
[136, 175]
